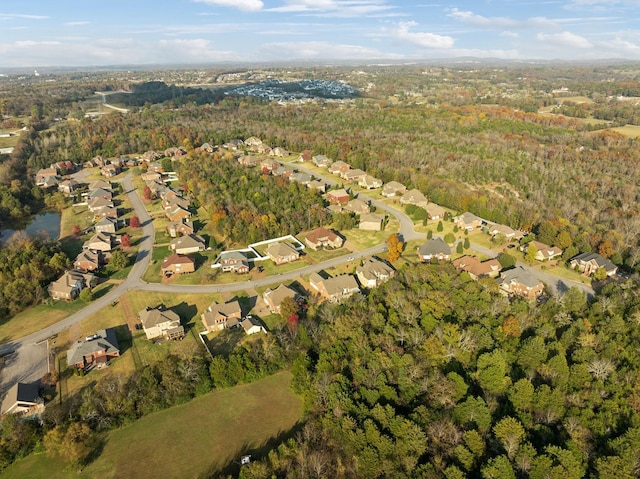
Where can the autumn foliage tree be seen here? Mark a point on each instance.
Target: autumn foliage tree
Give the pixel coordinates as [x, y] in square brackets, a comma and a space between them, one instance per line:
[134, 222]
[76, 230]
[395, 247]
[125, 240]
[146, 193]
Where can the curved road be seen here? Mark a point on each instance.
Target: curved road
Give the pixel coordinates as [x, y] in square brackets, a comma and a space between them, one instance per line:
[28, 347]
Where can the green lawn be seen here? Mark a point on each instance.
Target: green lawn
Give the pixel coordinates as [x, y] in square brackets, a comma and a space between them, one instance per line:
[197, 439]
[36, 318]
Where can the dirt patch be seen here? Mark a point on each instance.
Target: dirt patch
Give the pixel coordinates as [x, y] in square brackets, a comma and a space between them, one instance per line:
[128, 312]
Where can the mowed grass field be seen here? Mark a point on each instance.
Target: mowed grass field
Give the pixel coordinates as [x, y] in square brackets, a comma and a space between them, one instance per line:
[197, 439]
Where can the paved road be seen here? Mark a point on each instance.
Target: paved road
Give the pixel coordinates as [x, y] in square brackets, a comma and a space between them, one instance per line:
[26, 351]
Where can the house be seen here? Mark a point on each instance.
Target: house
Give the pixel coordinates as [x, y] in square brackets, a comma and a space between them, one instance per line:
[369, 182]
[281, 253]
[182, 227]
[109, 171]
[414, 197]
[353, 176]
[476, 268]
[100, 184]
[99, 161]
[338, 196]
[520, 282]
[95, 350]
[274, 297]
[23, 399]
[88, 261]
[253, 141]
[48, 182]
[101, 242]
[357, 206]
[338, 167]
[321, 161]
[96, 204]
[187, 244]
[161, 322]
[589, 263]
[170, 199]
[371, 222]
[68, 186]
[269, 164]
[279, 152]
[393, 188]
[284, 171]
[302, 178]
[323, 238]
[249, 161]
[467, 221]
[434, 249]
[106, 225]
[509, 233]
[100, 192]
[69, 285]
[150, 156]
[151, 176]
[252, 326]
[222, 316]
[434, 212]
[318, 185]
[334, 289]
[47, 177]
[177, 264]
[544, 252]
[177, 213]
[235, 261]
[106, 212]
[374, 272]
[305, 155]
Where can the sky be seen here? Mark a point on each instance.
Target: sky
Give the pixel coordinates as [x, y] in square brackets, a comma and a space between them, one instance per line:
[37, 33]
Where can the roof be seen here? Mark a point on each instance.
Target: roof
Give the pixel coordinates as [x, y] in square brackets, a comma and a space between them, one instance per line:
[188, 241]
[519, 275]
[473, 265]
[103, 340]
[434, 246]
[374, 268]
[393, 186]
[413, 197]
[599, 260]
[371, 218]
[468, 218]
[280, 249]
[321, 234]
[232, 255]
[338, 285]
[279, 294]
[338, 193]
[107, 220]
[153, 317]
[21, 392]
[434, 210]
[176, 258]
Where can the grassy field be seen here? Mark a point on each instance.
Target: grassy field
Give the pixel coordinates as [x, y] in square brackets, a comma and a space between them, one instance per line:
[632, 131]
[198, 439]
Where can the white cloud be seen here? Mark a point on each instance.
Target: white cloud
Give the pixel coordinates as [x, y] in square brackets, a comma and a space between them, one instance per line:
[499, 23]
[320, 50]
[565, 39]
[422, 39]
[334, 8]
[244, 5]
[9, 16]
[509, 34]
[75, 24]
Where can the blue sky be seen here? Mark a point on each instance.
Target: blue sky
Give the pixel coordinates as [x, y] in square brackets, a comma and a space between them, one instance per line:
[88, 33]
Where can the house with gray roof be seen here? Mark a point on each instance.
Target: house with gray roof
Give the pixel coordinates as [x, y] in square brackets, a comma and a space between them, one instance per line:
[235, 261]
[187, 244]
[95, 350]
[334, 289]
[393, 188]
[434, 249]
[23, 399]
[161, 322]
[281, 253]
[374, 272]
[467, 221]
[219, 316]
[520, 282]
[414, 197]
[589, 263]
[274, 297]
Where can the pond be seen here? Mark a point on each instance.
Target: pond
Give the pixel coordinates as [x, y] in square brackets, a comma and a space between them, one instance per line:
[44, 223]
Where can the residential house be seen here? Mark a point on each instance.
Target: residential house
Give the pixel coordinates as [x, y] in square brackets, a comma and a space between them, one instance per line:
[177, 213]
[249, 161]
[467, 221]
[150, 156]
[321, 161]
[222, 316]
[476, 268]
[305, 155]
[323, 238]
[520, 282]
[95, 350]
[99, 161]
[151, 176]
[434, 212]
[96, 204]
[161, 322]
[508, 233]
[284, 171]
[371, 221]
[252, 326]
[106, 225]
[274, 297]
[109, 171]
[393, 188]
[182, 227]
[253, 141]
[100, 184]
[374, 272]
[101, 242]
[68, 186]
[357, 206]
[177, 264]
[318, 185]
[414, 197]
[338, 167]
[69, 285]
[544, 252]
[235, 261]
[48, 182]
[589, 263]
[187, 244]
[334, 289]
[105, 212]
[369, 182]
[353, 175]
[46, 173]
[434, 249]
[281, 253]
[269, 164]
[340, 196]
[23, 399]
[172, 198]
[279, 152]
[302, 178]
[100, 192]
[88, 261]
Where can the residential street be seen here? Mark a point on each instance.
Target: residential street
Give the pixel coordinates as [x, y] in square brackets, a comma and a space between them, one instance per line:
[28, 360]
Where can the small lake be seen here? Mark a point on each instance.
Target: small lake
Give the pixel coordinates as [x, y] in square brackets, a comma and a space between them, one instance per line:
[48, 223]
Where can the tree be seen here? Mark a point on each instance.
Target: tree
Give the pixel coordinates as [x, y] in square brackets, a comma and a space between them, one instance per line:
[166, 164]
[459, 248]
[125, 240]
[134, 222]
[506, 260]
[600, 274]
[146, 193]
[440, 226]
[288, 308]
[449, 238]
[86, 295]
[531, 253]
[76, 230]
[509, 432]
[73, 444]
[395, 247]
[429, 234]
[119, 260]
